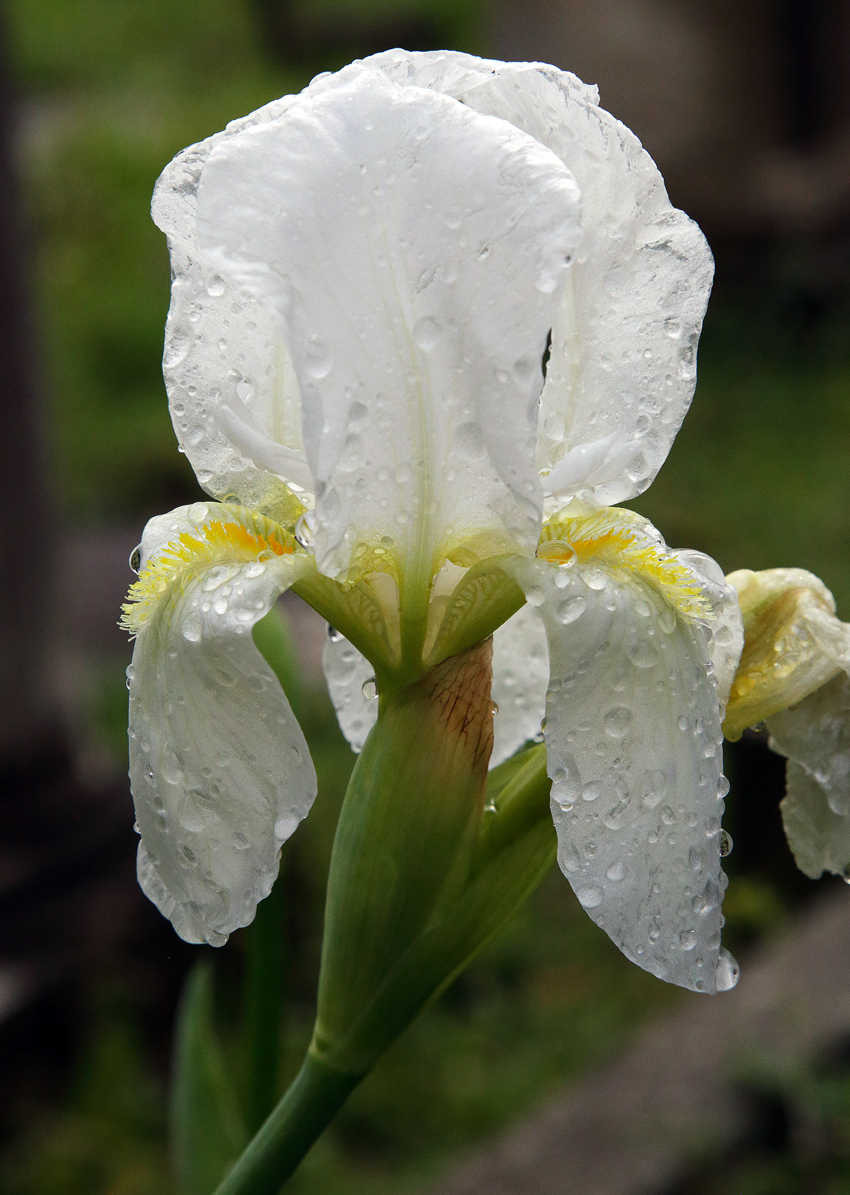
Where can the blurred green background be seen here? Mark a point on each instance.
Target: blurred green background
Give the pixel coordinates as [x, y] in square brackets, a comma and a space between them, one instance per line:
[108, 91]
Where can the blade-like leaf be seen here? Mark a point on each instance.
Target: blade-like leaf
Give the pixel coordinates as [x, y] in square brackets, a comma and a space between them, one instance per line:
[207, 1129]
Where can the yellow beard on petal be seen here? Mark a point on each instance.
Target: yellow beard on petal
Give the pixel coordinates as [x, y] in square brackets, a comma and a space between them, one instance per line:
[617, 539]
[181, 560]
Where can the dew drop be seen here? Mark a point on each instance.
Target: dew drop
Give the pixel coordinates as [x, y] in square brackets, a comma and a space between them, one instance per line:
[570, 610]
[135, 561]
[304, 529]
[725, 843]
[334, 635]
[615, 872]
[594, 578]
[317, 362]
[558, 552]
[672, 327]
[643, 655]
[369, 689]
[426, 332]
[197, 512]
[726, 975]
[617, 721]
[555, 426]
[494, 708]
[469, 441]
[215, 287]
[687, 939]
[590, 898]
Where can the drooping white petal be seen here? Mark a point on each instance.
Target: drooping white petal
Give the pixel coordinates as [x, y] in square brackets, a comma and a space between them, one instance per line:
[622, 368]
[725, 624]
[816, 735]
[348, 674]
[634, 752]
[412, 252]
[219, 768]
[818, 836]
[520, 679]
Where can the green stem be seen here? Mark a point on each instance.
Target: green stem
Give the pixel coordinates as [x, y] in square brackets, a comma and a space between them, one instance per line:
[264, 999]
[314, 1098]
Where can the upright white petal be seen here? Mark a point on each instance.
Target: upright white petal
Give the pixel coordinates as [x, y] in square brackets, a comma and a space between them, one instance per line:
[412, 252]
[633, 745]
[622, 368]
[233, 395]
[520, 680]
[349, 674]
[219, 768]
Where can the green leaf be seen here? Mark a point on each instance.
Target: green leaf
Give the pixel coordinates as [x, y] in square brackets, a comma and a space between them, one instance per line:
[207, 1129]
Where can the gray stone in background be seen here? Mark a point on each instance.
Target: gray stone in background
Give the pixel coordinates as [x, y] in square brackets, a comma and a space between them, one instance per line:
[638, 1124]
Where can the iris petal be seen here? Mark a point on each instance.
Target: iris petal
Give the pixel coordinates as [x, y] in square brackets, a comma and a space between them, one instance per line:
[220, 771]
[412, 252]
[634, 752]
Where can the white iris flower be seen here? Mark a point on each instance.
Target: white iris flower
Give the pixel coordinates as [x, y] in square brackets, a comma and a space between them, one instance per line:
[430, 319]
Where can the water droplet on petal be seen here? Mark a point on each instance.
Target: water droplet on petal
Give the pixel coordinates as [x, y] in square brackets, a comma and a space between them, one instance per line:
[687, 939]
[369, 689]
[135, 561]
[197, 512]
[617, 721]
[304, 529]
[557, 551]
[555, 426]
[594, 578]
[570, 610]
[643, 655]
[726, 975]
[725, 843]
[334, 635]
[590, 898]
[215, 287]
[426, 332]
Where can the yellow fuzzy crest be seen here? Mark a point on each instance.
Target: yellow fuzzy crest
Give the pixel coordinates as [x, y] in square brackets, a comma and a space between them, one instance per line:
[184, 559]
[617, 539]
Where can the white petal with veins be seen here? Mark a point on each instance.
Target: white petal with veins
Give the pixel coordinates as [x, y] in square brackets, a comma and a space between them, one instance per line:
[412, 252]
[633, 745]
[520, 679]
[220, 771]
[347, 670]
[623, 356]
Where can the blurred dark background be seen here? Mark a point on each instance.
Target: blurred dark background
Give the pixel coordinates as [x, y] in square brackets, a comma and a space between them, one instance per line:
[746, 109]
